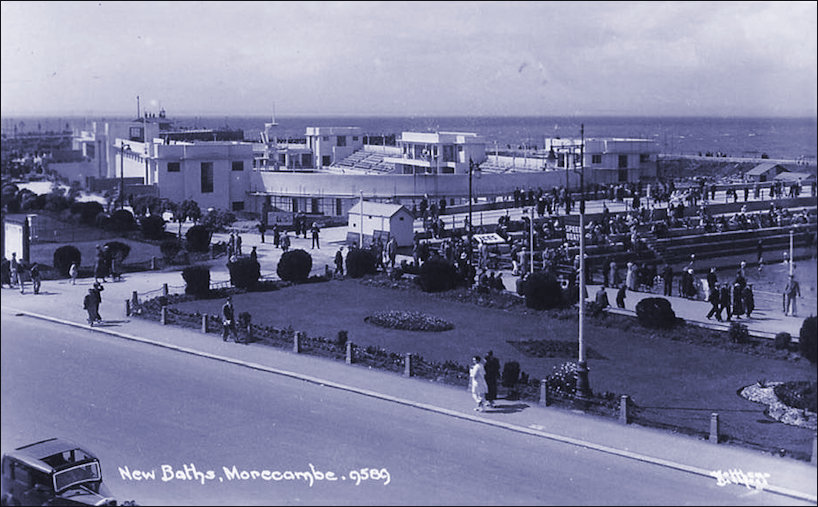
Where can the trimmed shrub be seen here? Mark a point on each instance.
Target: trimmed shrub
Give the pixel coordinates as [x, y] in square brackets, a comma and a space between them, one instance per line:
[343, 337]
[153, 227]
[170, 248]
[244, 272]
[655, 313]
[197, 280]
[294, 266]
[118, 249]
[782, 341]
[738, 333]
[800, 394]
[122, 220]
[563, 380]
[808, 339]
[543, 291]
[64, 256]
[218, 220]
[437, 275]
[198, 239]
[360, 263]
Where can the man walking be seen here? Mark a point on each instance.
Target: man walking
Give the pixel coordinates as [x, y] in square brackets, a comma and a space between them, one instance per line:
[492, 374]
[724, 301]
[392, 251]
[90, 304]
[791, 292]
[620, 296]
[667, 278]
[228, 320]
[339, 262]
[15, 269]
[314, 230]
[261, 229]
[35, 277]
[714, 298]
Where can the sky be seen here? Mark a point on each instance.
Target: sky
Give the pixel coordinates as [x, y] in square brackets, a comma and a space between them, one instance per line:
[437, 58]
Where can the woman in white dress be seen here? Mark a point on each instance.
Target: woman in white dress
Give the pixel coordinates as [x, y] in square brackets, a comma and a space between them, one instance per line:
[479, 388]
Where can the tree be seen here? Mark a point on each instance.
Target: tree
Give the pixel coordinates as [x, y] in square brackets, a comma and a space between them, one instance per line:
[191, 210]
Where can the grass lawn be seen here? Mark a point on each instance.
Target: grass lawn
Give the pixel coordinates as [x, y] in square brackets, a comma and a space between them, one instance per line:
[675, 382]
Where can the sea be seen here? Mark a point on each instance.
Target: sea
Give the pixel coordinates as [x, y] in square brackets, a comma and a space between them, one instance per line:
[779, 138]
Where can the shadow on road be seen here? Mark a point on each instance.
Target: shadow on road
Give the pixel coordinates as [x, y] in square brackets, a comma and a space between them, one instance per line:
[507, 409]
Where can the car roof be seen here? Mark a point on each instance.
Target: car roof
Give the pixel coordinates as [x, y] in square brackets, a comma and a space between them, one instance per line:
[34, 454]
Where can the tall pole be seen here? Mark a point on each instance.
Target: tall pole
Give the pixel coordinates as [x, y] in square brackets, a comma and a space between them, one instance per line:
[531, 232]
[583, 388]
[122, 176]
[471, 170]
[792, 233]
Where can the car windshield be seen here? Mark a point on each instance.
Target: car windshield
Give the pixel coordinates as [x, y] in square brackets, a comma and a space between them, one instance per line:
[75, 475]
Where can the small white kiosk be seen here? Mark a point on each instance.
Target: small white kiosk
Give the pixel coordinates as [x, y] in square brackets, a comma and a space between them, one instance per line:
[380, 220]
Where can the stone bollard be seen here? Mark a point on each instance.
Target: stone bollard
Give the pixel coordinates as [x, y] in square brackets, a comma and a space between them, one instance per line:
[297, 342]
[165, 289]
[407, 365]
[543, 393]
[623, 409]
[163, 316]
[714, 428]
[153, 263]
[204, 323]
[814, 459]
[127, 307]
[349, 353]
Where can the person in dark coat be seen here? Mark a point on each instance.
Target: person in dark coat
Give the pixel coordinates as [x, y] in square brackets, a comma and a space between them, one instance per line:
[492, 367]
[620, 296]
[724, 301]
[738, 306]
[89, 303]
[339, 262]
[714, 299]
[667, 278]
[749, 300]
[96, 290]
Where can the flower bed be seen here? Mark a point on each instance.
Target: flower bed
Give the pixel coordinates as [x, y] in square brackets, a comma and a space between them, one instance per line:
[765, 392]
[409, 321]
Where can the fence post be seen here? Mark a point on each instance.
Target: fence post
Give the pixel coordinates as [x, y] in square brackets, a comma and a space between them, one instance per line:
[204, 323]
[543, 393]
[134, 299]
[407, 365]
[163, 316]
[814, 459]
[297, 342]
[127, 308]
[153, 263]
[623, 409]
[714, 428]
[349, 353]
[165, 289]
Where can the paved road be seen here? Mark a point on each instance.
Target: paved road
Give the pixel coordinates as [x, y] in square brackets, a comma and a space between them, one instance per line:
[141, 407]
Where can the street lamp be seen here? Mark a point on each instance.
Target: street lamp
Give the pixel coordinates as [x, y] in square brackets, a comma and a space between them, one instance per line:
[583, 388]
[122, 148]
[471, 170]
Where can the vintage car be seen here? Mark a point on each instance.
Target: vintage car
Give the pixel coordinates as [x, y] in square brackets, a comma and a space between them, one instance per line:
[52, 472]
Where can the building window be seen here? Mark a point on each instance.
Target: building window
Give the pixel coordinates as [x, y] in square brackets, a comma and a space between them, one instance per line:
[315, 206]
[174, 167]
[644, 157]
[596, 159]
[326, 160]
[238, 165]
[207, 177]
[238, 205]
[342, 141]
[354, 138]
[339, 210]
[623, 161]
[295, 204]
[325, 138]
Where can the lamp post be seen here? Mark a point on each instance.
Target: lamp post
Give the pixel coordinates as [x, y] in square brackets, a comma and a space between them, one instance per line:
[361, 231]
[122, 148]
[792, 234]
[583, 388]
[531, 237]
[471, 170]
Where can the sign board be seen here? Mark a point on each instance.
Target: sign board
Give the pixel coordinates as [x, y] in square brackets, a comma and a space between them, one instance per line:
[572, 232]
[489, 239]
